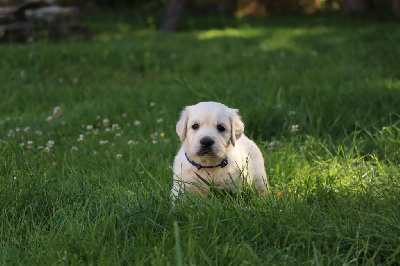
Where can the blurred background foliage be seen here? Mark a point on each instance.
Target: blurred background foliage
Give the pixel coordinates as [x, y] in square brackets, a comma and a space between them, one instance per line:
[238, 8]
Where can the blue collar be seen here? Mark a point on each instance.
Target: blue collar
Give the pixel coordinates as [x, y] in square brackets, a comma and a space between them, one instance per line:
[223, 163]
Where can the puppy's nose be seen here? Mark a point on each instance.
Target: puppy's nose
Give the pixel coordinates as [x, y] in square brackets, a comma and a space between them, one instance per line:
[206, 142]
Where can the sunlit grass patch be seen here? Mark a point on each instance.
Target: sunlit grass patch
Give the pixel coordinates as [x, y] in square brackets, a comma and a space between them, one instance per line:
[230, 32]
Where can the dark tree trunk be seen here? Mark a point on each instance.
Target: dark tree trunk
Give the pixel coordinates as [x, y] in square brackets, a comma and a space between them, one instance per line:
[354, 6]
[396, 7]
[227, 7]
[174, 12]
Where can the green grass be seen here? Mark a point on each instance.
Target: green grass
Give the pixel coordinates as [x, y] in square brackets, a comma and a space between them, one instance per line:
[338, 80]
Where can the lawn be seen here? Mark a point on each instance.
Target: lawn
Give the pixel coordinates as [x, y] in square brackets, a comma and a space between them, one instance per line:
[87, 139]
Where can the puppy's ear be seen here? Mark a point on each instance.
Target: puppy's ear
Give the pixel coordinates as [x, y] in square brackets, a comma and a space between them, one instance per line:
[237, 126]
[182, 124]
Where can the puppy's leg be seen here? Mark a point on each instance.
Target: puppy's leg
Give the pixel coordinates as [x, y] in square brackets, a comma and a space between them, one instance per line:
[176, 189]
[192, 187]
[262, 187]
[198, 190]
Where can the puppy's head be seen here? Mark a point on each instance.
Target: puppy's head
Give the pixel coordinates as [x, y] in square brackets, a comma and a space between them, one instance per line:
[207, 129]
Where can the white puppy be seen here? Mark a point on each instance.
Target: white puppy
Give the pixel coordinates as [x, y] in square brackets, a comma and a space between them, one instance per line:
[215, 151]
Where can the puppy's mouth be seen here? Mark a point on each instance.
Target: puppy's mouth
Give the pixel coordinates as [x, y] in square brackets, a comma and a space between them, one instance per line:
[206, 153]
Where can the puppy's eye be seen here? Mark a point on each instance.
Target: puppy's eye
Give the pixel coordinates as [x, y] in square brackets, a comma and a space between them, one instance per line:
[195, 126]
[221, 128]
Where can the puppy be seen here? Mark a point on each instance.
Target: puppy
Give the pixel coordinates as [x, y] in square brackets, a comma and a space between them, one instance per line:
[215, 151]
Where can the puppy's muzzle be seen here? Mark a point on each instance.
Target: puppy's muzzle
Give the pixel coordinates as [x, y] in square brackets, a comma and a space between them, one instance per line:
[206, 145]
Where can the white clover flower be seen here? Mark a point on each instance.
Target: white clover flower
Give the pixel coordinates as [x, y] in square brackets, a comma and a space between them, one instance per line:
[49, 119]
[57, 111]
[81, 138]
[102, 142]
[117, 135]
[159, 120]
[115, 127]
[152, 104]
[30, 144]
[272, 145]
[74, 148]
[89, 127]
[38, 132]
[124, 115]
[50, 143]
[132, 142]
[119, 156]
[11, 133]
[17, 129]
[153, 136]
[295, 128]
[95, 152]
[137, 123]
[106, 122]
[47, 149]
[155, 142]
[107, 129]
[26, 129]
